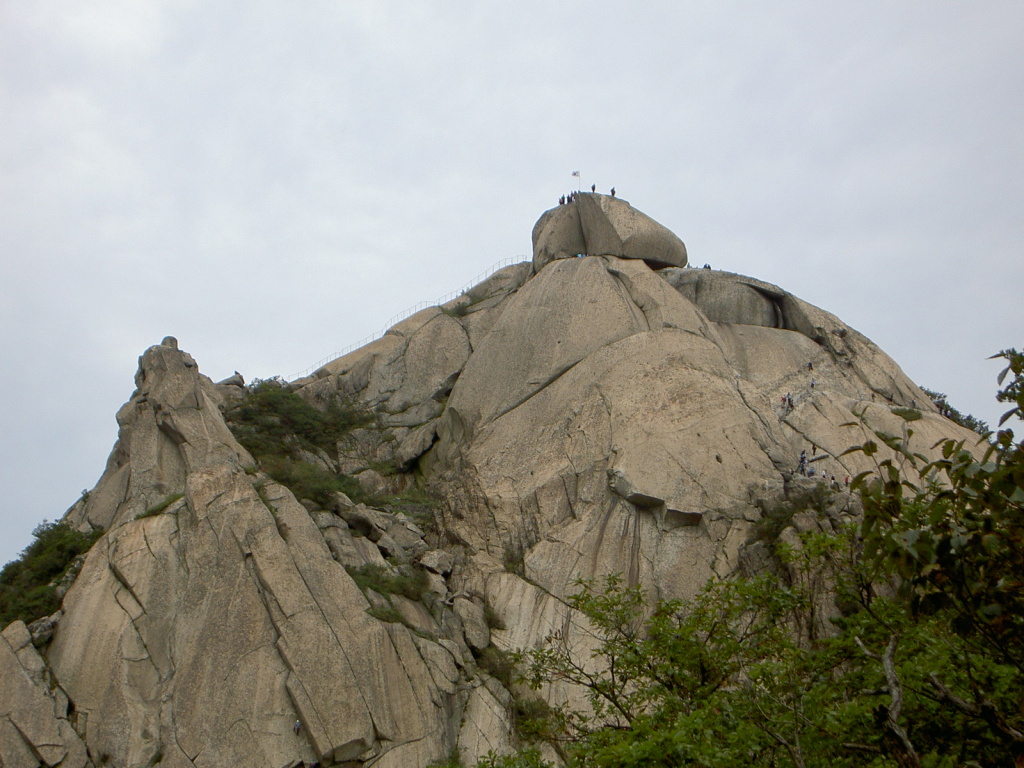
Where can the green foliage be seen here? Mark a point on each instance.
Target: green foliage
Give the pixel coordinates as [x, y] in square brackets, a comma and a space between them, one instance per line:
[535, 720]
[951, 413]
[723, 680]
[528, 758]
[386, 613]
[418, 505]
[497, 663]
[513, 560]
[159, 507]
[310, 481]
[491, 618]
[276, 425]
[452, 761]
[27, 585]
[662, 689]
[407, 581]
[958, 540]
[460, 310]
[907, 414]
[271, 417]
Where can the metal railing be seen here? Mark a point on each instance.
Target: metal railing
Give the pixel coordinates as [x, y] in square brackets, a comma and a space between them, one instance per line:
[409, 313]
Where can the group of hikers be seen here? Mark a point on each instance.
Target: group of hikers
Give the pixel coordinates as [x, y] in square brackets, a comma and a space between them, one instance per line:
[806, 470]
[787, 399]
[570, 197]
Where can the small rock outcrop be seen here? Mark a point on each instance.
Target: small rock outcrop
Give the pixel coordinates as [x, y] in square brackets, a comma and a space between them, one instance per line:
[599, 225]
[34, 726]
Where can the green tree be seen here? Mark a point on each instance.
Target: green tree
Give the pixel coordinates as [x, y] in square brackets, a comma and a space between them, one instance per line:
[956, 544]
[963, 419]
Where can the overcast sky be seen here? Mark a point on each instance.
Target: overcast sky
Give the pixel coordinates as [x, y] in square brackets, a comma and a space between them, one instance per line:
[272, 181]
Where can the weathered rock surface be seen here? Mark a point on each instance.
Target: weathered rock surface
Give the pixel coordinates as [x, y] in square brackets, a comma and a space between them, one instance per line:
[200, 635]
[636, 433]
[599, 225]
[170, 427]
[34, 727]
[615, 419]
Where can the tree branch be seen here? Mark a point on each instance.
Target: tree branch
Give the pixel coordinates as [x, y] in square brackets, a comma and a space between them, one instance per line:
[985, 710]
[888, 717]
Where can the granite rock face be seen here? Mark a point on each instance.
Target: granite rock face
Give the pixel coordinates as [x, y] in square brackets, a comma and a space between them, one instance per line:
[611, 418]
[222, 628]
[636, 434]
[599, 225]
[34, 726]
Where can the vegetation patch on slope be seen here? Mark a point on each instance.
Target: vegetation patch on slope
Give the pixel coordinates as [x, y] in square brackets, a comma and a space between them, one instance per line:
[28, 585]
[279, 429]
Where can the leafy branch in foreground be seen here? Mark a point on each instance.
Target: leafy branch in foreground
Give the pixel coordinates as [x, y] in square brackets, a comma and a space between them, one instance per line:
[957, 540]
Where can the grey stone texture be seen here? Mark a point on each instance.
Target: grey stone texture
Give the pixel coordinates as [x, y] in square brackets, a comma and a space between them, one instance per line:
[200, 635]
[599, 225]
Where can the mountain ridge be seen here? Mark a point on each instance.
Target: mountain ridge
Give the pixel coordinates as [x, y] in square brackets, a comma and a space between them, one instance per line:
[586, 413]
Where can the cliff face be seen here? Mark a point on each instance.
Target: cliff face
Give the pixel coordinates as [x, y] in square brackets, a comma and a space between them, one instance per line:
[578, 416]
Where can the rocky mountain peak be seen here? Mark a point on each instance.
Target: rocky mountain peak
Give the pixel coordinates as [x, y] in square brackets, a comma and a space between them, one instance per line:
[602, 409]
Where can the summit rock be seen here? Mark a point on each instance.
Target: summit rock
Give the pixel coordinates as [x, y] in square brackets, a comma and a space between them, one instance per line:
[600, 225]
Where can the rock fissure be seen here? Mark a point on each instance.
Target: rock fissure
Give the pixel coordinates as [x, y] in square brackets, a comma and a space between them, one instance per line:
[177, 743]
[543, 384]
[31, 745]
[145, 539]
[123, 581]
[636, 305]
[569, 495]
[241, 659]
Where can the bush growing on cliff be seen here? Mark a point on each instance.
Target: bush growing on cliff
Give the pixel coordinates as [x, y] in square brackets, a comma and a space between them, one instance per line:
[407, 581]
[271, 420]
[310, 481]
[28, 584]
[276, 426]
[963, 419]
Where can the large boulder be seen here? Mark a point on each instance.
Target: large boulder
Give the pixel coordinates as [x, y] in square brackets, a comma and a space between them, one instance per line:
[599, 225]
